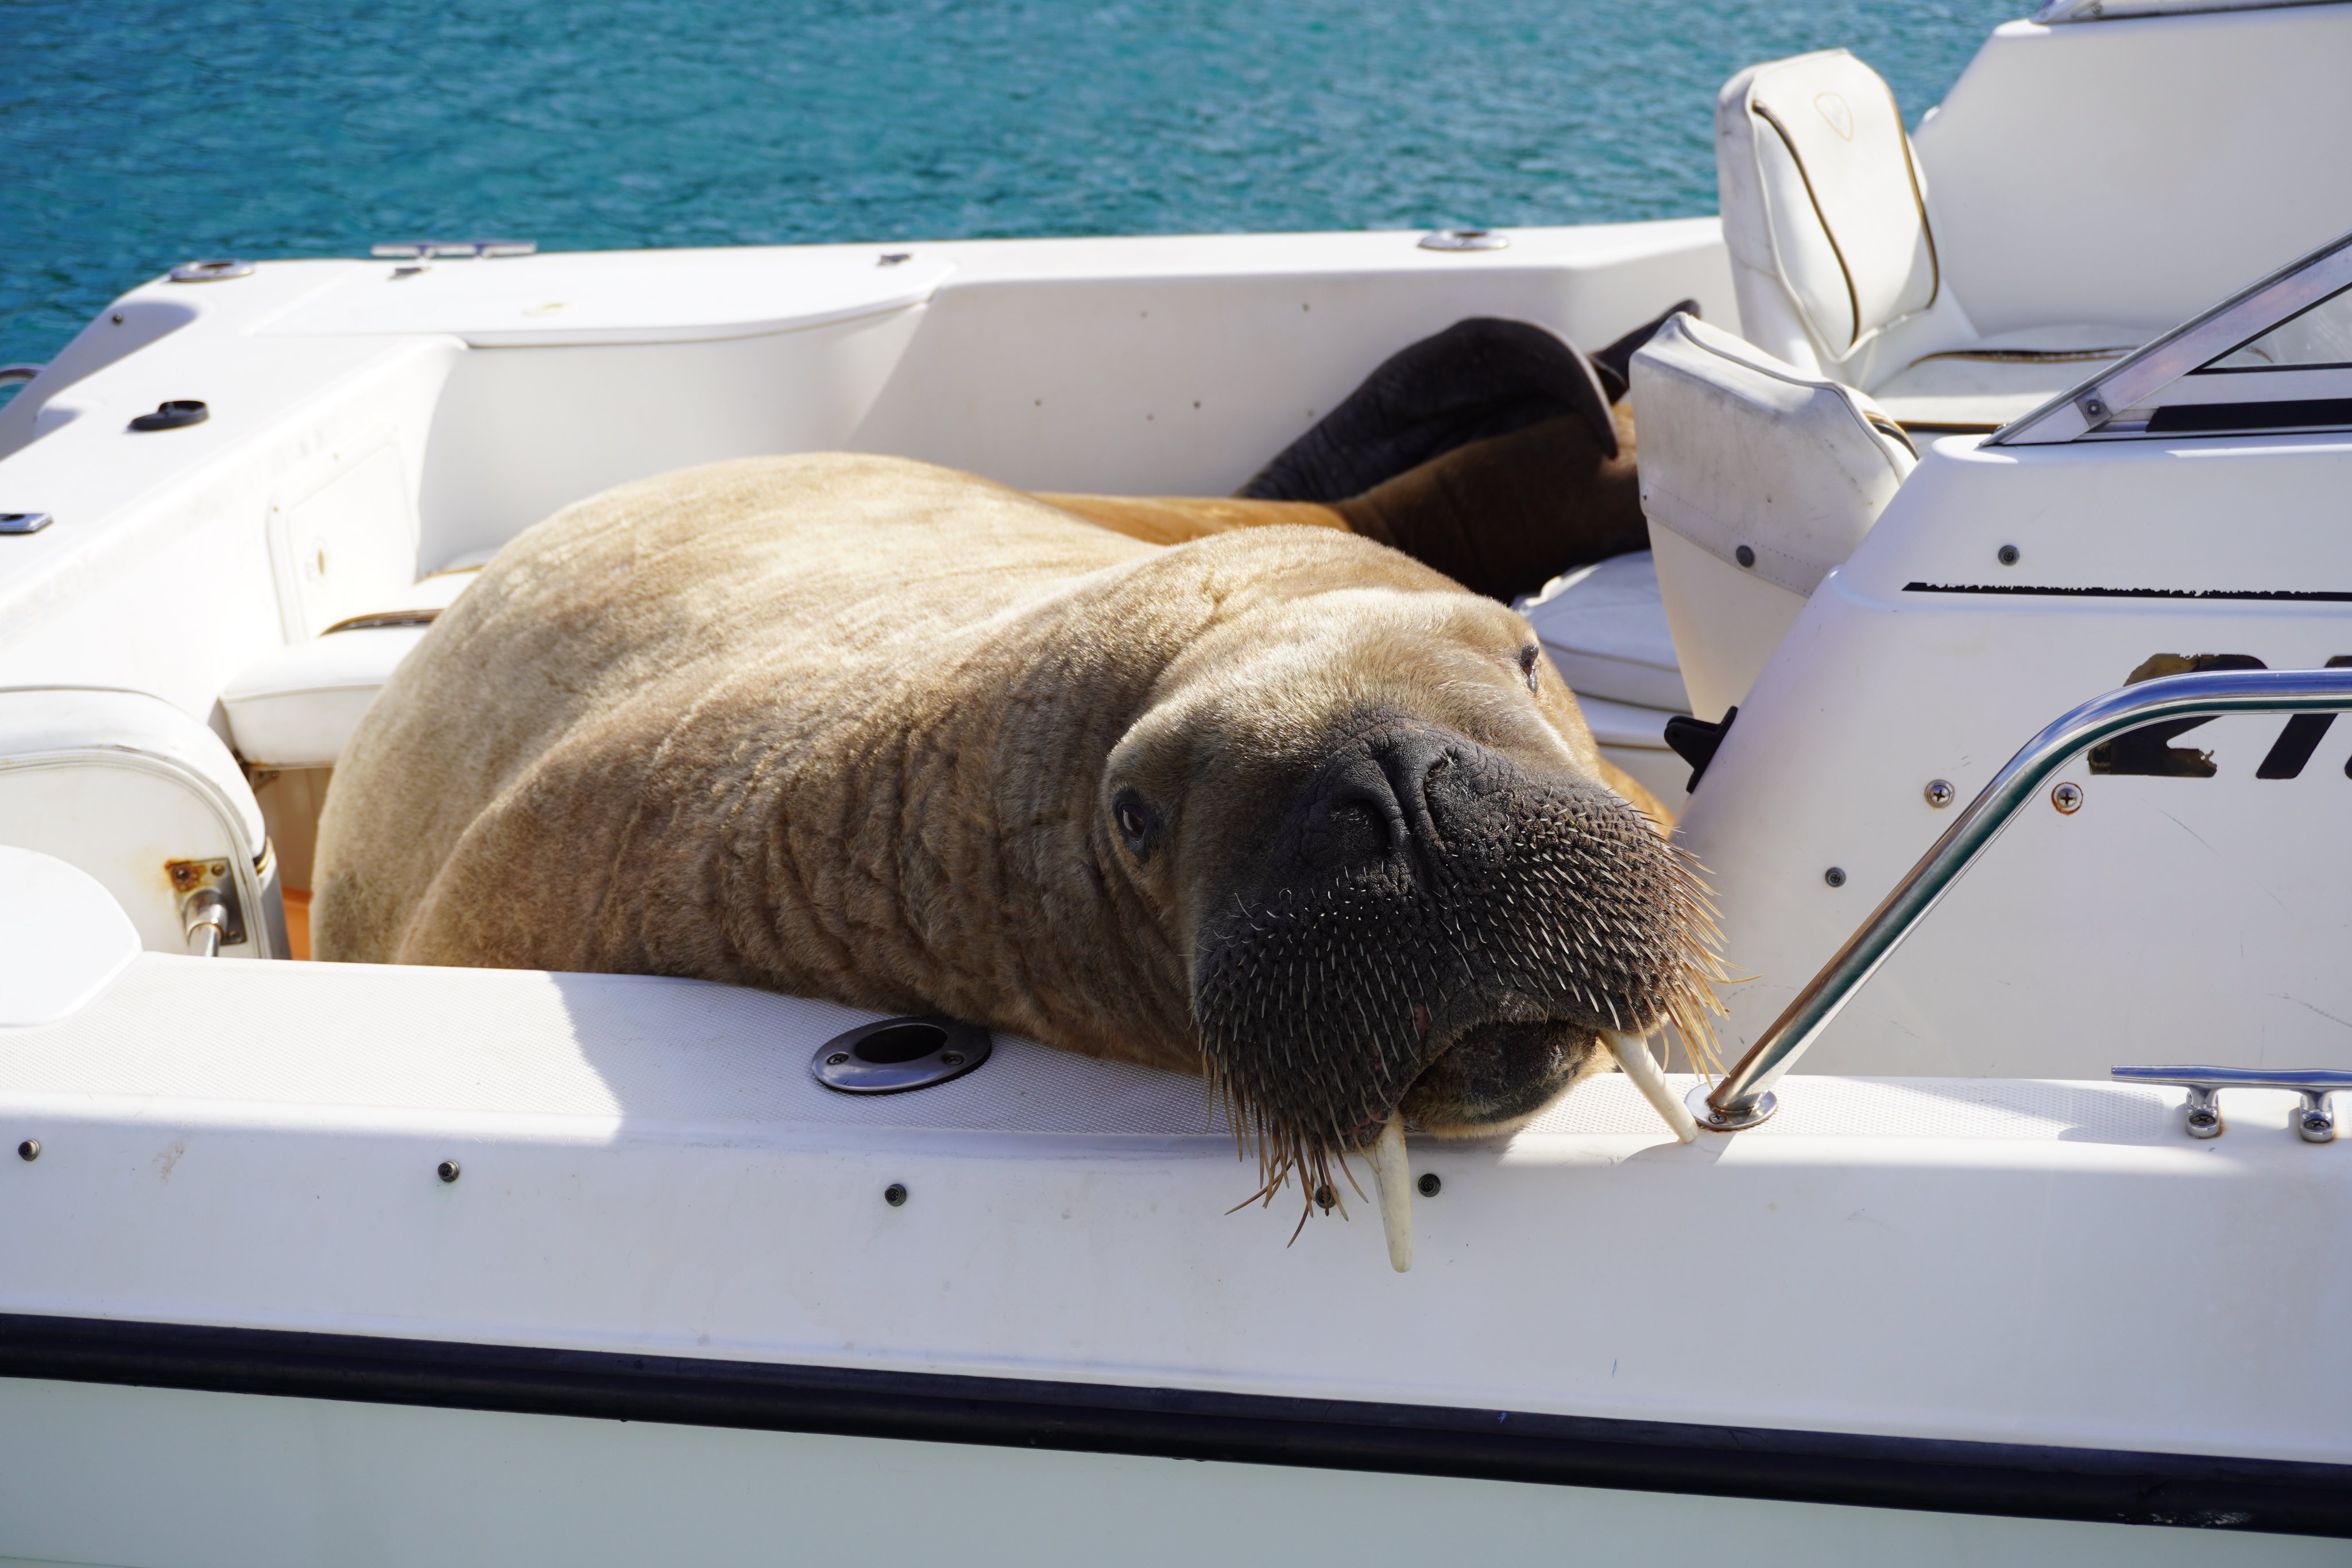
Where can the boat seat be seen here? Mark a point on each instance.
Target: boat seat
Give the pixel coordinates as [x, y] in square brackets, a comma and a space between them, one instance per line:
[1604, 627]
[67, 938]
[1826, 214]
[1757, 479]
[144, 801]
[296, 706]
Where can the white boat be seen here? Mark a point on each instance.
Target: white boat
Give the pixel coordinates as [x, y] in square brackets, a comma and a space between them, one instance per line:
[1964, 493]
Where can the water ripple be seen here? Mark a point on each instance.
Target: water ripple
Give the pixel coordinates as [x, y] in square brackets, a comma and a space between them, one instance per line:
[139, 134]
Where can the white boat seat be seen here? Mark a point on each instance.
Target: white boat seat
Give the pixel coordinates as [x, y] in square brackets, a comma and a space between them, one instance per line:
[143, 799]
[1826, 214]
[1757, 480]
[66, 937]
[1985, 385]
[1605, 630]
[296, 707]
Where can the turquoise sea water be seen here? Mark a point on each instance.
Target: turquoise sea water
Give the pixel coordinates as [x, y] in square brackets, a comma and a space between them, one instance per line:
[134, 134]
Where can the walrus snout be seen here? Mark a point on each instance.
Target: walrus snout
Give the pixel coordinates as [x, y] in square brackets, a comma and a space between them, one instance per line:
[1372, 801]
[1438, 927]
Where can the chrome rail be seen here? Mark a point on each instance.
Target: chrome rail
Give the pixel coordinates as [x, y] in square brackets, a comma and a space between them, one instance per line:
[1741, 1098]
[425, 250]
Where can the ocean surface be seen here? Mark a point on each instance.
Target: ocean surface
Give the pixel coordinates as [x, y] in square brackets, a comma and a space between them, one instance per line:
[134, 135]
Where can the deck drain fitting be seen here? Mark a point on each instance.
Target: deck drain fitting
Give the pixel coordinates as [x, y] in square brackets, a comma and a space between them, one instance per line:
[894, 1055]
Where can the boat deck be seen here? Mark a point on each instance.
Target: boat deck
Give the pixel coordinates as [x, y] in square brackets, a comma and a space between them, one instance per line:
[646, 1166]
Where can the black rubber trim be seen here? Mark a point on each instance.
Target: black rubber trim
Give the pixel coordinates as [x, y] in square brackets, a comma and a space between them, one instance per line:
[2032, 591]
[2014, 1480]
[2197, 418]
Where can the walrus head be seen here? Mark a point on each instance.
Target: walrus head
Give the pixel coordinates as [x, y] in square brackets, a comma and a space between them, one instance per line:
[1377, 820]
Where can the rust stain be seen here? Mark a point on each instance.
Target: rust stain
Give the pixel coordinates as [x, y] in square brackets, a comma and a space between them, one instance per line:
[189, 875]
[170, 1157]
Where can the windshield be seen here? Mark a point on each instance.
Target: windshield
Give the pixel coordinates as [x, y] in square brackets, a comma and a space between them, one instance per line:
[2320, 336]
[2299, 319]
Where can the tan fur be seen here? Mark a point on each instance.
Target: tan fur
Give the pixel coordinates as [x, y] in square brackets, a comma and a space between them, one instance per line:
[848, 727]
[1179, 519]
[1498, 515]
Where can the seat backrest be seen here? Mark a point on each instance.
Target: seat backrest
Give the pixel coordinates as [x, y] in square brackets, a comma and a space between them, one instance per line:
[1740, 451]
[1824, 211]
[1757, 480]
[145, 799]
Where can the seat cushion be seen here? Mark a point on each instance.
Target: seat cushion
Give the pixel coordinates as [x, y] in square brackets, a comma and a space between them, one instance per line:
[1605, 630]
[1984, 385]
[296, 707]
[65, 935]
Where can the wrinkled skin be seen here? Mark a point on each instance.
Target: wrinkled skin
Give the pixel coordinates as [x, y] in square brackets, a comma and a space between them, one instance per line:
[1406, 880]
[1280, 804]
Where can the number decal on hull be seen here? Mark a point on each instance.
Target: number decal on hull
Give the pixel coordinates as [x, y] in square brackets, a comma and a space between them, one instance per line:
[2149, 751]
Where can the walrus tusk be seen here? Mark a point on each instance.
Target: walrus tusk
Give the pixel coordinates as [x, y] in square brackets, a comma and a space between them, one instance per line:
[1632, 1054]
[1394, 1178]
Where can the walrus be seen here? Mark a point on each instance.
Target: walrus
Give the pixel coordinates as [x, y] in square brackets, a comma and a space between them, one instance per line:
[1279, 805]
[1494, 451]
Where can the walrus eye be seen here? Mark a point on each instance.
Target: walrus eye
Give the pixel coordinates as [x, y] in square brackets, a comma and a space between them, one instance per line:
[1135, 822]
[1527, 657]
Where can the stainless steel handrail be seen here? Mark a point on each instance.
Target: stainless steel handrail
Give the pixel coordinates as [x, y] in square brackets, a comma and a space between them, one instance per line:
[1741, 1101]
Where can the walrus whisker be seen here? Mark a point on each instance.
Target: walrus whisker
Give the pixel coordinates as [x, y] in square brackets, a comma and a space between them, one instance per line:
[1484, 970]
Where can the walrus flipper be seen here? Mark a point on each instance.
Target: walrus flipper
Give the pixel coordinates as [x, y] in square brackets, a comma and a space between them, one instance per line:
[1615, 363]
[1480, 377]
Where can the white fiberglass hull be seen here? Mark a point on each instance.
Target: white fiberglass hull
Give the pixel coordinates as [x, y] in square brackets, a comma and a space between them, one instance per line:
[102, 1474]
